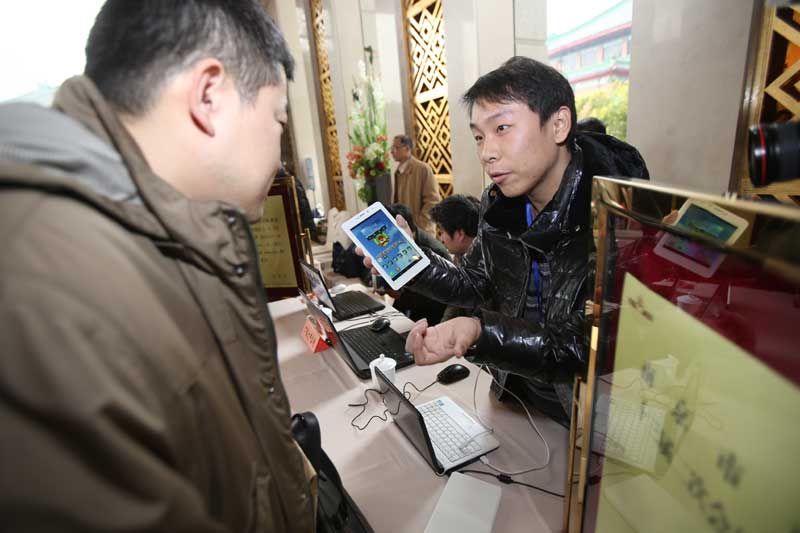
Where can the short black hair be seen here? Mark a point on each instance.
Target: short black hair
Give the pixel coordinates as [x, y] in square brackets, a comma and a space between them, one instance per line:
[457, 212]
[135, 46]
[522, 79]
[405, 140]
[403, 210]
[591, 124]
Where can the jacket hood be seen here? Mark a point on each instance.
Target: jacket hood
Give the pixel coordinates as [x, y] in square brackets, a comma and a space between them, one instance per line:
[81, 148]
[61, 146]
[569, 210]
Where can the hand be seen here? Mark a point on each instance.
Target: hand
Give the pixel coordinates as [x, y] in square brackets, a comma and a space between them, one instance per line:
[401, 222]
[435, 344]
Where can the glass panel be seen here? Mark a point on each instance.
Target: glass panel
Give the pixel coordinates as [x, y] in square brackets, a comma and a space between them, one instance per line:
[698, 381]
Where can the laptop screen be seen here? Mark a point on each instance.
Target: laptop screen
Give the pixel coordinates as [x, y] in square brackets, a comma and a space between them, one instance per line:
[317, 285]
[408, 419]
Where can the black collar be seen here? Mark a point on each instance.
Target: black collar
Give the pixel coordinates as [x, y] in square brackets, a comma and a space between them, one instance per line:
[565, 213]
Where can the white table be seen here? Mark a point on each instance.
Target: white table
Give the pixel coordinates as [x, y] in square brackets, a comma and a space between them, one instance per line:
[386, 476]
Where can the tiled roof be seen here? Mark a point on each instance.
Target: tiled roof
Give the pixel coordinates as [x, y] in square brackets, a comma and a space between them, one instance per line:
[617, 15]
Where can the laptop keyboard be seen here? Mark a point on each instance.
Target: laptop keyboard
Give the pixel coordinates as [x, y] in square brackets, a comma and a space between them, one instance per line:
[631, 432]
[354, 303]
[445, 433]
[371, 345]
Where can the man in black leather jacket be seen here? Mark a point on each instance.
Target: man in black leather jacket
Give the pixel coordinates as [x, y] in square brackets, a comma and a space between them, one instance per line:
[530, 269]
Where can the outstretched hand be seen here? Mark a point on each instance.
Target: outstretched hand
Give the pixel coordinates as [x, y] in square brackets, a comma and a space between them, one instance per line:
[401, 222]
[439, 343]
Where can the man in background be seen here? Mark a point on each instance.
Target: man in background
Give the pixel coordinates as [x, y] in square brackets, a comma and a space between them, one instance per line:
[414, 184]
[456, 219]
[140, 388]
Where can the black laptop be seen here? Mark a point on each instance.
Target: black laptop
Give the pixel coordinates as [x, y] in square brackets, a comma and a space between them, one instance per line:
[346, 305]
[358, 346]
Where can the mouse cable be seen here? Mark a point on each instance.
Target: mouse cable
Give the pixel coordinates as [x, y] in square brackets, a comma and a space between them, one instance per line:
[382, 417]
[483, 458]
[419, 391]
[363, 406]
[503, 478]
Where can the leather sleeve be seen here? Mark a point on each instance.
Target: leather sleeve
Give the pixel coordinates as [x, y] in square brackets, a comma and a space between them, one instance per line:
[464, 286]
[556, 351]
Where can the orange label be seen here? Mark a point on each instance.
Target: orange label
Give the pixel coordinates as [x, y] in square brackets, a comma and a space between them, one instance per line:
[312, 335]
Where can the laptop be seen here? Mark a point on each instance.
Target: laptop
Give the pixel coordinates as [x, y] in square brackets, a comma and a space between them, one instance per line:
[441, 431]
[627, 431]
[346, 305]
[358, 346]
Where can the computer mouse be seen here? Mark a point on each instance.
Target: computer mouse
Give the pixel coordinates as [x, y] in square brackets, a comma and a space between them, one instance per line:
[452, 373]
[380, 324]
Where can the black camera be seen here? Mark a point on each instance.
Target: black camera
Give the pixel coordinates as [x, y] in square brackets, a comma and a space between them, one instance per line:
[774, 152]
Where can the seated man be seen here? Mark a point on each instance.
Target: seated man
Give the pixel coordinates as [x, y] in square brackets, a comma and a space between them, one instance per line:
[530, 267]
[456, 220]
[417, 306]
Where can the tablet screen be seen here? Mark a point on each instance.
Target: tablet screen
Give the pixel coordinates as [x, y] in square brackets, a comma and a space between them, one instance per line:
[387, 244]
[698, 220]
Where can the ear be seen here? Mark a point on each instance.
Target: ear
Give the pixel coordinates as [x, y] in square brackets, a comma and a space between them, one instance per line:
[561, 122]
[458, 235]
[206, 93]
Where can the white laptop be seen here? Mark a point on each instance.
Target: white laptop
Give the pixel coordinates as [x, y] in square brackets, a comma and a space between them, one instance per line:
[443, 433]
[627, 431]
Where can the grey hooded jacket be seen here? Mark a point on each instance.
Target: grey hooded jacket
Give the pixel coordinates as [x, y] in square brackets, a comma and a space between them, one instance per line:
[139, 384]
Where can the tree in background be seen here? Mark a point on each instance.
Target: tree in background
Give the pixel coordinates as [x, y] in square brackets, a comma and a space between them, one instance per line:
[609, 105]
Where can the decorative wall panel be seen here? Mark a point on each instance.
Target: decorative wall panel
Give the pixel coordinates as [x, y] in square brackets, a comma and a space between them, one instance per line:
[775, 84]
[327, 114]
[427, 67]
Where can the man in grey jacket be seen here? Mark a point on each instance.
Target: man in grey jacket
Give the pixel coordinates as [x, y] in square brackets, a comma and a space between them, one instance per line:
[139, 388]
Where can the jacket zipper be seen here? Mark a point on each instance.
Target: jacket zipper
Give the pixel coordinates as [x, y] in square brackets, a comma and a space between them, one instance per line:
[262, 303]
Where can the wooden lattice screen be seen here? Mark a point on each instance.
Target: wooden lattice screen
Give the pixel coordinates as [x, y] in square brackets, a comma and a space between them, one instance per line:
[424, 36]
[330, 138]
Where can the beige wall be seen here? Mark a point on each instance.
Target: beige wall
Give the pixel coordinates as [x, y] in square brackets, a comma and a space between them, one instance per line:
[479, 37]
[302, 99]
[686, 86]
[530, 29]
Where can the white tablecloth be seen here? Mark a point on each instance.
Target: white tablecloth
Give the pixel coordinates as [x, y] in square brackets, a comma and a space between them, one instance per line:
[389, 480]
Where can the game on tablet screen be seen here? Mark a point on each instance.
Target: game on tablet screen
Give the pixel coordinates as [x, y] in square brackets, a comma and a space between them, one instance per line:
[700, 221]
[385, 242]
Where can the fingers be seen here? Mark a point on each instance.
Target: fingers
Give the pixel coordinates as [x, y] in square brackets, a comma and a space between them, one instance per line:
[401, 222]
[415, 339]
[367, 261]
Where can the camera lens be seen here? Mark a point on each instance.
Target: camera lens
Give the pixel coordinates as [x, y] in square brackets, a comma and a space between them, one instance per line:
[774, 152]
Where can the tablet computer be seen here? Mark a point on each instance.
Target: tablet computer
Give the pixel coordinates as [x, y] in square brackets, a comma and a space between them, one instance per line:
[707, 220]
[395, 256]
